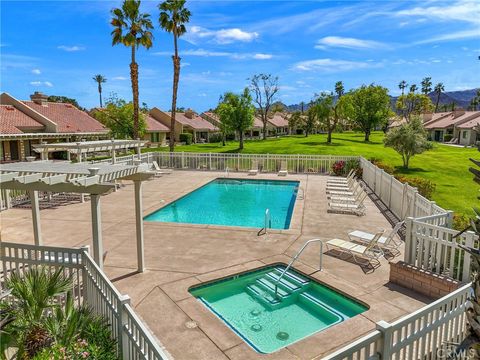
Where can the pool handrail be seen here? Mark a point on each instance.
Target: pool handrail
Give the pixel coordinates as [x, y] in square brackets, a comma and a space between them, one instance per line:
[296, 257]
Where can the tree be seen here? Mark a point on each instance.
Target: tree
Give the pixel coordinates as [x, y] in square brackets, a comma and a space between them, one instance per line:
[438, 91]
[426, 85]
[367, 107]
[413, 88]
[237, 112]
[324, 112]
[100, 79]
[413, 104]
[173, 17]
[295, 120]
[264, 88]
[408, 140]
[339, 89]
[118, 117]
[310, 121]
[402, 85]
[132, 29]
[64, 99]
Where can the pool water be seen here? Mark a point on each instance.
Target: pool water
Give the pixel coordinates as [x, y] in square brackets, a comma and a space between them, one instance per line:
[302, 307]
[234, 202]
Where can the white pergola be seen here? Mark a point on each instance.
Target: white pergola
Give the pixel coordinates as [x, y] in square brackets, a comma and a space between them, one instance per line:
[83, 178]
[82, 148]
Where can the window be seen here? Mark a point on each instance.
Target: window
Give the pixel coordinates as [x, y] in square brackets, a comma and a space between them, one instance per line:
[464, 134]
[154, 137]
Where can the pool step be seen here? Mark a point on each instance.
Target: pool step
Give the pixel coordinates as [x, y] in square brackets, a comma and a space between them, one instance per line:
[291, 277]
[309, 298]
[263, 295]
[270, 286]
[284, 282]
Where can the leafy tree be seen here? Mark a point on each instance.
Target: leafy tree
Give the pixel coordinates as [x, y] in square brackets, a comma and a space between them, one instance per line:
[132, 29]
[408, 140]
[339, 89]
[367, 107]
[100, 79]
[311, 121]
[264, 88]
[64, 99]
[324, 112]
[295, 120]
[236, 111]
[413, 104]
[438, 91]
[413, 88]
[426, 85]
[118, 116]
[402, 85]
[173, 17]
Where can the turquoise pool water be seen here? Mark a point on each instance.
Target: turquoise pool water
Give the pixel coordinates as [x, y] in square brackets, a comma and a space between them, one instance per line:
[233, 202]
[247, 304]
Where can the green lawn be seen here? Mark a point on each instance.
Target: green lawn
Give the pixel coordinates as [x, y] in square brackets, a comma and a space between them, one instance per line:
[446, 166]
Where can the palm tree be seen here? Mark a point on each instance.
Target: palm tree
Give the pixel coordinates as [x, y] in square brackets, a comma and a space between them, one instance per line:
[100, 79]
[426, 85]
[132, 29]
[438, 91]
[413, 88]
[173, 17]
[339, 89]
[402, 85]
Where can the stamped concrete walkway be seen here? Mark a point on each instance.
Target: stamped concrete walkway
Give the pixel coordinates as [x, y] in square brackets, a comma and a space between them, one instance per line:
[179, 256]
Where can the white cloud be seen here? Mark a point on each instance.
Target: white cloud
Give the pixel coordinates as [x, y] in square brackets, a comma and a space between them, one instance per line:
[119, 78]
[71, 48]
[467, 11]
[459, 35]
[36, 71]
[329, 65]
[262, 56]
[41, 83]
[223, 36]
[348, 43]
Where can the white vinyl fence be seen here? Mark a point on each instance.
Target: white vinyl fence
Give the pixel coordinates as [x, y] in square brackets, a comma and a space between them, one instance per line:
[91, 288]
[424, 334]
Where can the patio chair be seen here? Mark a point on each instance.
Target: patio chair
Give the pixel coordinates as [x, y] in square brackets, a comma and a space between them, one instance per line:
[370, 252]
[159, 171]
[254, 169]
[283, 169]
[452, 141]
[356, 208]
[355, 197]
[338, 186]
[346, 191]
[339, 179]
[387, 242]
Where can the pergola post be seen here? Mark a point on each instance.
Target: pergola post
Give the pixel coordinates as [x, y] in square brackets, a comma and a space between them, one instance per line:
[139, 225]
[37, 230]
[114, 154]
[139, 151]
[97, 229]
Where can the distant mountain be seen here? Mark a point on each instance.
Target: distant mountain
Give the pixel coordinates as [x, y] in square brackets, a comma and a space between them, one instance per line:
[461, 99]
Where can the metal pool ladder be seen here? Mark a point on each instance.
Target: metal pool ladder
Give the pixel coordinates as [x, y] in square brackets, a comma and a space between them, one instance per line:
[267, 224]
[296, 257]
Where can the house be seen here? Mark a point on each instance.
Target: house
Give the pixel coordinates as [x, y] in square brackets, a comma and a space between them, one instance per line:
[279, 122]
[186, 122]
[156, 132]
[24, 123]
[457, 126]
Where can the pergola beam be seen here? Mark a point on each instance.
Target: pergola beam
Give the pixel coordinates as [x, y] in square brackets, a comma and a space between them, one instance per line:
[60, 187]
[27, 179]
[7, 177]
[55, 179]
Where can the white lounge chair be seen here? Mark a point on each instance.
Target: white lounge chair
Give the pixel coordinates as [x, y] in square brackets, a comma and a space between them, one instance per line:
[347, 198]
[356, 208]
[339, 179]
[283, 169]
[346, 191]
[159, 171]
[254, 169]
[371, 251]
[338, 186]
[387, 242]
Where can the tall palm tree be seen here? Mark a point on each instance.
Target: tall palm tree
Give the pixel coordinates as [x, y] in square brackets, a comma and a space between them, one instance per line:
[132, 29]
[438, 91]
[402, 85]
[413, 88]
[426, 85]
[173, 17]
[339, 89]
[100, 79]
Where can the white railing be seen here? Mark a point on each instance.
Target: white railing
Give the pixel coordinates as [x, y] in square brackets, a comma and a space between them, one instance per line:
[422, 334]
[91, 288]
[436, 248]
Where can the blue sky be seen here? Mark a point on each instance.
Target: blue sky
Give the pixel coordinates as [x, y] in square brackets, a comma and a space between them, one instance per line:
[57, 46]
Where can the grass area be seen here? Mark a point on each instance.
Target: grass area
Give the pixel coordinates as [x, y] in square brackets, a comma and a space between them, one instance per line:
[446, 166]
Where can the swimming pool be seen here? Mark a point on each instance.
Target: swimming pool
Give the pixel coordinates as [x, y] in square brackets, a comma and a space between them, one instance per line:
[248, 305]
[233, 202]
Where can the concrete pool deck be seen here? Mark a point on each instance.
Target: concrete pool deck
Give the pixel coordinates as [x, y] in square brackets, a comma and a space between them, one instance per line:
[179, 256]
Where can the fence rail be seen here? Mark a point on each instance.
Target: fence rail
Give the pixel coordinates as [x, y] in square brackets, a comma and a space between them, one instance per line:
[422, 334]
[91, 288]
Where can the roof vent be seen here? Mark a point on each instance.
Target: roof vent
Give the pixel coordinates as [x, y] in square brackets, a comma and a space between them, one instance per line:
[39, 98]
[69, 105]
[189, 113]
[9, 107]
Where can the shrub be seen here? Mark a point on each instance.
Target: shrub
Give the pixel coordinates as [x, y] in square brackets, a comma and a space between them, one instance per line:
[387, 168]
[353, 164]
[186, 138]
[215, 138]
[460, 221]
[448, 137]
[338, 167]
[425, 187]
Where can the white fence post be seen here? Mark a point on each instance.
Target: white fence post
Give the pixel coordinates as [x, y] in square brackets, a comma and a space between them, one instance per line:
[449, 221]
[386, 329]
[121, 324]
[408, 240]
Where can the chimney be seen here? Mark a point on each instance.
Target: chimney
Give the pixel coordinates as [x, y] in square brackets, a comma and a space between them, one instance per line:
[427, 117]
[189, 113]
[458, 112]
[39, 98]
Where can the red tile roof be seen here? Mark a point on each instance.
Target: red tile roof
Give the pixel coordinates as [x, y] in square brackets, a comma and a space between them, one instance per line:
[278, 120]
[472, 123]
[196, 122]
[14, 121]
[257, 122]
[154, 125]
[68, 118]
[450, 120]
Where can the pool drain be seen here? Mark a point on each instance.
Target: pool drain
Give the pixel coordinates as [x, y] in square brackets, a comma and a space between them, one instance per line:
[256, 327]
[255, 312]
[282, 335]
